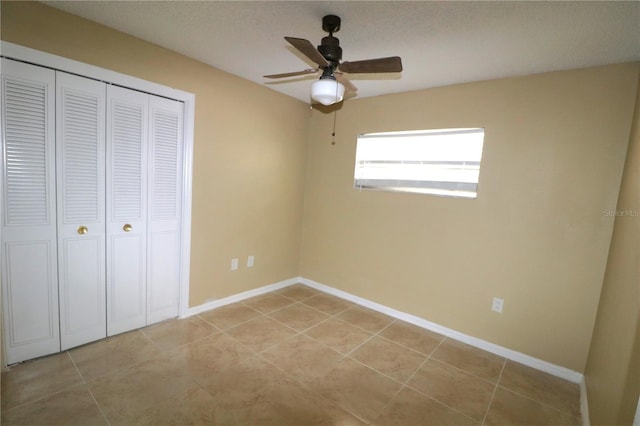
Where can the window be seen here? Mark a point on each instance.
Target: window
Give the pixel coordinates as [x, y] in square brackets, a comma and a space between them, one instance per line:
[441, 162]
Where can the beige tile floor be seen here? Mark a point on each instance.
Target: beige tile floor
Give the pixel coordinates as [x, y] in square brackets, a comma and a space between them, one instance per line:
[292, 357]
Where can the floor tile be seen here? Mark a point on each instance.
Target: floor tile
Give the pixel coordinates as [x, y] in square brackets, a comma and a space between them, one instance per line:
[191, 407]
[124, 395]
[73, 406]
[172, 333]
[412, 336]
[357, 389]
[38, 378]
[256, 393]
[507, 408]
[299, 316]
[472, 360]
[209, 355]
[260, 333]
[366, 318]
[339, 335]
[291, 357]
[454, 388]
[303, 358]
[328, 304]
[229, 316]
[268, 302]
[409, 408]
[543, 387]
[113, 353]
[298, 292]
[389, 358]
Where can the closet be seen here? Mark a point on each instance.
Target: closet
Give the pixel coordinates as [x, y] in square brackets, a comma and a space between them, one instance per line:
[91, 214]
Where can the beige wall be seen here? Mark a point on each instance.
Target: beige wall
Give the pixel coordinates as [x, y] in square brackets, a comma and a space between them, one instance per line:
[249, 148]
[536, 236]
[613, 367]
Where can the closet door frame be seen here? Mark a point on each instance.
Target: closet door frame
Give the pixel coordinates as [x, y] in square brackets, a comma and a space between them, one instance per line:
[25, 54]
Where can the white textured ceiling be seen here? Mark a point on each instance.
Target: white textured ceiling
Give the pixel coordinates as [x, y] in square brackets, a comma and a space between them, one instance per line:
[440, 43]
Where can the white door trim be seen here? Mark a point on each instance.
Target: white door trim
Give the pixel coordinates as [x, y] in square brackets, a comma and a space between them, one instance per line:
[36, 57]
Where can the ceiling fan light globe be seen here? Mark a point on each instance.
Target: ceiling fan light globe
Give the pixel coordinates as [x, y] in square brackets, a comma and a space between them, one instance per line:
[327, 91]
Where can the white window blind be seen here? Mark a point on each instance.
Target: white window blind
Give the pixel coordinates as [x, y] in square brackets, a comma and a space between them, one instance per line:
[442, 162]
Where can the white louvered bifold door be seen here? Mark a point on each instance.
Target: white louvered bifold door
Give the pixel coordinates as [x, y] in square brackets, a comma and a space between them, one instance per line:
[29, 259]
[127, 132]
[80, 144]
[165, 184]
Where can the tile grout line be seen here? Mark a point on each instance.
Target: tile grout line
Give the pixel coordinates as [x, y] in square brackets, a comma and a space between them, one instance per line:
[311, 389]
[41, 398]
[373, 333]
[303, 305]
[329, 317]
[404, 346]
[424, 362]
[403, 385]
[99, 407]
[235, 325]
[566, 413]
[260, 355]
[531, 398]
[51, 394]
[493, 394]
[429, 357]
[342, 354]
[164, 350]
[257, 353]
[468, 373]
[406, 385]
[84, 381]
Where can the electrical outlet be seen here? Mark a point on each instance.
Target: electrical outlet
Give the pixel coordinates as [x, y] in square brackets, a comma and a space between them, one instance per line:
[250, 262]
[497, 305]
[234, 263]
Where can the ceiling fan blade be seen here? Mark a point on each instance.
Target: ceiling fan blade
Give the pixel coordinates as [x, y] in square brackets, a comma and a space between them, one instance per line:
[391, 64]
[308, 50]
[291, 74]
[349, 87]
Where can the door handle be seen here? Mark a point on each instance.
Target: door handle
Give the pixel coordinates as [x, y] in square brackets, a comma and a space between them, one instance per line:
[127, 227]
[82, 230]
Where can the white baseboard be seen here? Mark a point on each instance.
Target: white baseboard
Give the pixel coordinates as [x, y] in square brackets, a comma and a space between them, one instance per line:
[584, 403]
[212, 304]
[538, 364]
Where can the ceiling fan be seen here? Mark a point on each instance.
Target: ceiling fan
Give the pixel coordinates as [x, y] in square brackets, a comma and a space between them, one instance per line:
[330, 88]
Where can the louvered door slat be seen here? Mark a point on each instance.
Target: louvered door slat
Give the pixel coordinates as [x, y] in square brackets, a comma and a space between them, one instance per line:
[81, 154]
[26, 142]
[165, 165]
[127, 144]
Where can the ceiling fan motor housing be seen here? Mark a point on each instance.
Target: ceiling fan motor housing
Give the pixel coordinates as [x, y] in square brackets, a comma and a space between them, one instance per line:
[331, 50]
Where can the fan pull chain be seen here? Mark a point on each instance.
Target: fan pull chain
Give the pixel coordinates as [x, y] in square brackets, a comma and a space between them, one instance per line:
[335, 112]
[333, 134]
